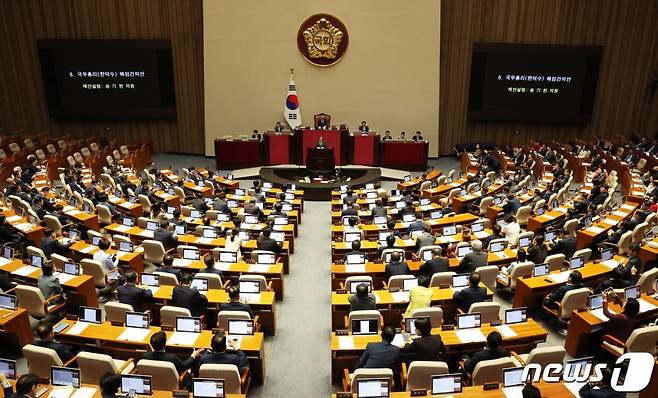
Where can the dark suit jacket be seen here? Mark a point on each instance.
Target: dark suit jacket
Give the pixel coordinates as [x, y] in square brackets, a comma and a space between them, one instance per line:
[467, 296]
[350, 211]
[379, 211]
[558, 294]
[181, 366]
[200, 204]
[483, 355]
[366, 303]
[397, 268]
[236, 306]
[632, 262]
[170, 271]
[221, 205]
[380, 355]
[64, 352]
[587, 391]
[427, 348]
[431, 267]
[133, 295]
[166, 237]
[268, 244]
[50, 245]
[537, 254]
[236, 358]
[566, 246]
[190, 298]
[471, 261]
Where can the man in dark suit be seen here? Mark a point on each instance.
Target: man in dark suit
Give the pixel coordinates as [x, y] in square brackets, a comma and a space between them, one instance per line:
[537, 251]
[6, 233]
[513, 204]
[278, 128]
[618, 280]
[164, 235]
[435, 264]
[46, 339]
[220, 356]
[128, 293]
[382, 354]
[495, 234]
[220, 203]
[362, 299]
[426, 347]
[189, 297]
[397, 266]
[349, 196]
[601, 389]
[167, 266]
[251, 208]
[50, 245]
[267, 243]
[574, 282]
[634, 264]
[199, 204]
[408, 208]
[109, 384]
[350, 209]
[417, 225]
[379, 209]
[364, 127]
[491, 351]
[474, 259]
[234, 303]
[390, 244]
[567, 246]
[471, 294]
[209, 262]
[356, 249]
[158, 341]
[26, 386]
[320, 143]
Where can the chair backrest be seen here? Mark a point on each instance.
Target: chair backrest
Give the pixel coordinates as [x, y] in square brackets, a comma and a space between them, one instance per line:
[397, 281]
[647, 280]
[93, 366]
[120, 238]
[539, 204]
[421, 372]
[488, 275]
[229, 373]
[154, 251]
[484, 204]
[371, 373]
[364, 315]
[31, 298]
[40, 359]
[442, 278]
[89, 203]
[639, 231]
[555, 261]
[104, 214]
[115, 311]
[393, 250]
[167, 278]
[145, 202]
[491, 371]
[357, 279]
[551, 200]
[255, 278]
[168, 314]
[584, 253]
[94, 269]
[224, 316]
[164, 375]
[625, 241]
[425, 185]
[35, 251]
[570, 227]
[490, 311]
[214, 280]
[643, 340]
[51, 148]
[523, 214]
[519, 270]
[435, 314]
[573, 300]
[41, 155]
[453, 194]
[546, 355]
[422, 250]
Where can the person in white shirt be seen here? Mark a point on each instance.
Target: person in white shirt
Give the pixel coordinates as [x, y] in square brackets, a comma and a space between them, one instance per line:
[511, 230]
[109, 262]
[352, 225]
[233, 241]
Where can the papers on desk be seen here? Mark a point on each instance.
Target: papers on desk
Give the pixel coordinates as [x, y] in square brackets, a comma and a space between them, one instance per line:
[575, 387]
[506, 331]
[222, 266]
[562, 277]
[645, 305]
[595, 230]
[204, 241]
[134, 334]
[345, 343]
[63, 278]
[237, 340]
[250, 297]
[73, 212]
[276, 227]
[599, 314]
[259, 268]
[14, 219]
[501, 254]
[4, 261]
[77, 328]
[653, 244]
[146, 233]
[182, 263]
[25, 270]
[401, 339]
[447, 239]
[355, 268]
[183, 338]
[612, 264]
[513, 392]
[409, 242]
[88, 249]
[481, 235]
[24, 227]
[121, 228]
[473, 335]
[60, 392]
[610, 221]
[400, 297]
[84, 392]
[153, 289]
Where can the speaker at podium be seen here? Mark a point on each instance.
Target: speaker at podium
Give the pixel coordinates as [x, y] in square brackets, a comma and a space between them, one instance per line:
[320, 160]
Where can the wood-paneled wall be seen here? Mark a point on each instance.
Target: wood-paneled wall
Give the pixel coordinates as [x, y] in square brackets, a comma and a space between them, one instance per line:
[22, 101]
[628, 31]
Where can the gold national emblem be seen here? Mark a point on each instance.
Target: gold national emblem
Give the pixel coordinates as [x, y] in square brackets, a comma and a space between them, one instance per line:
[322, 39]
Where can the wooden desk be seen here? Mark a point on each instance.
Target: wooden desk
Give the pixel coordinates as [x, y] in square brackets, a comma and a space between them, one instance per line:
[599, 230]
[393, 305]
[89, 220]
[133, 260]
[346, 350]
[80, 289]
[16, 323]
[442, 190]
[264, 307]
[106, 337]
[583, 324]
[34, 232]
[529, 289]
[132, 209]
[548, 390]
[97, 394]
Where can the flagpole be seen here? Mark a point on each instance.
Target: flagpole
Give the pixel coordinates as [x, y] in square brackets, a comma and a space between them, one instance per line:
[291, 71]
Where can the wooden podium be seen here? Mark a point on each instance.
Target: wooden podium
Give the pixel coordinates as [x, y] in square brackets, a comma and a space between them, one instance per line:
[320, 160]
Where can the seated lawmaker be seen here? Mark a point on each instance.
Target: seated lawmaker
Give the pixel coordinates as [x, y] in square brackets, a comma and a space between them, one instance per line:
[158, 341]
[390, 244]
[264, 242]
[618, 280]
[320, 143]
[427, 347]
[362, 299]
[129, 293]
[167, 266]
[622, 325]
[323, 124]
[164, 235]
[364, 127]
[574, 282]
[471, 294]
[48, 283]
[278, 127]
[186, 296]
[491, 351]
[397, 266]
[234, 303]
[382, 354]
[417, 137]
[419, 296]
[356, 249]
[219, 355]
[50, 245]
[474, 259]
[46, 339]
[436, 264]
[387, 136]
[27, 386]
[209, 262]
